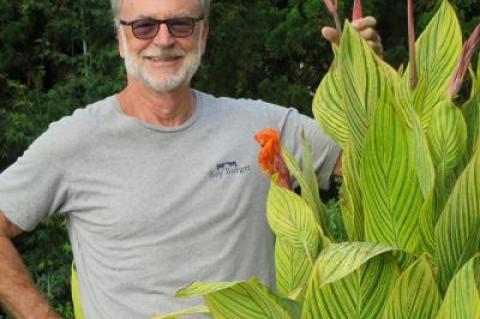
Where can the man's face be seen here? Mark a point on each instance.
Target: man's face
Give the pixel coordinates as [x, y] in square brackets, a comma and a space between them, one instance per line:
[163, 63]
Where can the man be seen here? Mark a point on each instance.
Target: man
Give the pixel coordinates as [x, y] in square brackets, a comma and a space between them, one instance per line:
[159, 183]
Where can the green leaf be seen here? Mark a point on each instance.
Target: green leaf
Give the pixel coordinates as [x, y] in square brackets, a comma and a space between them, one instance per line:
[458, 230]
[350, 280]
[462, 300]
[447, 137]
[351, 201]
[292, 266]
[246, 300]
[392, 196]
[328, 106]
[424, 167]
[471, 112]
[198, 289]
[364, 82]
[415, 295]
[307, 179]
[179, 314]
[293, 220]
[438, 48]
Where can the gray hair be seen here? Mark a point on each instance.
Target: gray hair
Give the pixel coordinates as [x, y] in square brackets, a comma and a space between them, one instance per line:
[117, 5]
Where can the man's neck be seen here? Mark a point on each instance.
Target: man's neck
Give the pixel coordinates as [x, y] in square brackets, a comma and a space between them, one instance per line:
[169, 109]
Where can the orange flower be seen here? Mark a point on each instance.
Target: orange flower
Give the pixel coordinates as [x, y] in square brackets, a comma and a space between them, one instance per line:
[270, 157]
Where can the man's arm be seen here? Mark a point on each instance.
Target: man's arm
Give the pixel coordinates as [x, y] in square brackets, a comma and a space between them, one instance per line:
[18, 293]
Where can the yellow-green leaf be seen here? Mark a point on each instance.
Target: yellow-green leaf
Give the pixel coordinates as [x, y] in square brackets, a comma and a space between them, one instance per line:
[364, 82]
[471, 111]
[458, 230]
[328, 107]
[392, 196]
[293, 268]
[415, 295]
[462, 300]
[180, 314]
[293, 220]
[246, 300]
[350, 280]
[438, 49]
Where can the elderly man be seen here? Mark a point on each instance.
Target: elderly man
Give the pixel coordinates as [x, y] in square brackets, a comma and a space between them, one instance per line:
[159, 183]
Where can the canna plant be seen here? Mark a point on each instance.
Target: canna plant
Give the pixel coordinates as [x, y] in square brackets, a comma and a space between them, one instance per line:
[410, 197]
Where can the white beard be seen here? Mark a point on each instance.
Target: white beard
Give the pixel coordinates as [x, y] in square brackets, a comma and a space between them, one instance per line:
[165, 82]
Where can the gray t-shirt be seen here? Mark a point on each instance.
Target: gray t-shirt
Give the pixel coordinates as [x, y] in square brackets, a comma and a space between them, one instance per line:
[151, 209]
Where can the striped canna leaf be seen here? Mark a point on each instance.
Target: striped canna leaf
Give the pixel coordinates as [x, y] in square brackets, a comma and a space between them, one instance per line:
[364, 82]
[292, 270]
[189, 311]
[457, 232]
[392, 194]
[350, 280]
[415, 295]
[240, 300]
[471, 112]
[328, 105]
[462, 300]
[307, 179]
[437, 50]
[292, 220]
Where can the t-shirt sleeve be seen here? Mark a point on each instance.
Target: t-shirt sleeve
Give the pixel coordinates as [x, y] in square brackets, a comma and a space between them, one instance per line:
[325, 150]
[35, 185]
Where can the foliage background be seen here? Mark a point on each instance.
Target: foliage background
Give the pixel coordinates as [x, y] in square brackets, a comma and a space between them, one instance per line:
[58, 55]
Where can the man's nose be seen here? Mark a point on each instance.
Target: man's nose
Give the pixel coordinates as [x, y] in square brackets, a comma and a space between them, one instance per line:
[163, 37]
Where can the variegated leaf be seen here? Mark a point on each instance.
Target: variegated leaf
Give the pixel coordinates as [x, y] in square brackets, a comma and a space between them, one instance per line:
[391, 193]
[328, 105]
[438, 49]
[364, 81]
[462, 300]
[350, 280]
[293, 220]
[180, 314]
[457, 232]
[293, 268]
[415, 295]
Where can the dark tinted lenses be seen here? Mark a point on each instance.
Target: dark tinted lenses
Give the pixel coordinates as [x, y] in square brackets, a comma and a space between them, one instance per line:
[178, 27]
[145, 29]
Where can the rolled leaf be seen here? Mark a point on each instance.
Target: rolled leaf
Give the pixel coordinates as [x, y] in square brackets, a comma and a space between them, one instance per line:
[415, 295]
[307, 179]
[462, 300]
[447, 137]
[350, 280]
[392, 194]
[457, 232]
[424, 168]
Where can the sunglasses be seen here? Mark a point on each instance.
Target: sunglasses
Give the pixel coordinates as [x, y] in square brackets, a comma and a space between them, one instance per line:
[148, 28]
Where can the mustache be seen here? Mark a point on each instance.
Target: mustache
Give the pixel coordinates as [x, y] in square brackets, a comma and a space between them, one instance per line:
[164, 53]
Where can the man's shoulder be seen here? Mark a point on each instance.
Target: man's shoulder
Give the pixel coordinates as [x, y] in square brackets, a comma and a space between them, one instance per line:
[243, 106]
[75, 131]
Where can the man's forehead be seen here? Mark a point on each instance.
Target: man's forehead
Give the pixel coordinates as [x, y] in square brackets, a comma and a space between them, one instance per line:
[160, 9]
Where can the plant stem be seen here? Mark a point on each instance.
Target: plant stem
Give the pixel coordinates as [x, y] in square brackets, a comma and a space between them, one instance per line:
[411, 44]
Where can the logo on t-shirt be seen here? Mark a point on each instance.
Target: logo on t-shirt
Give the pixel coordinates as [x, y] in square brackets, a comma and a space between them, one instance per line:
[228, 169]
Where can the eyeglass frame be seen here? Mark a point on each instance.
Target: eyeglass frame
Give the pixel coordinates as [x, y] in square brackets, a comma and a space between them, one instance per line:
[159, 22]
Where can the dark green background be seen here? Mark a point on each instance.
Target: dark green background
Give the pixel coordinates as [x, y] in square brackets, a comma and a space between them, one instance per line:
[58, 55]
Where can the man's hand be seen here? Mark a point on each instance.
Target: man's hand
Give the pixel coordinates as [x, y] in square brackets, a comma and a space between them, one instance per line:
[366, 28]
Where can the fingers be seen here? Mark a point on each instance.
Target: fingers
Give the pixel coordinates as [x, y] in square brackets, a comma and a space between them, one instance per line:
[331, 35]
[364, 23]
